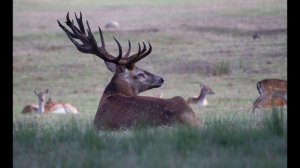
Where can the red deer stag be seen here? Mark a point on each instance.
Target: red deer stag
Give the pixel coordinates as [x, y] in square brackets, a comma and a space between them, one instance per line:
[273, 93]
[201, 99]
[120, 106]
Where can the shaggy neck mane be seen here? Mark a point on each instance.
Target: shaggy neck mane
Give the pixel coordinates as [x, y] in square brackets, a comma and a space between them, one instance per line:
[119, 85]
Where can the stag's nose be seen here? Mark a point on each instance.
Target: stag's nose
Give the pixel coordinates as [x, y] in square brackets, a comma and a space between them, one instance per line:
[161, 80]
[158, 81]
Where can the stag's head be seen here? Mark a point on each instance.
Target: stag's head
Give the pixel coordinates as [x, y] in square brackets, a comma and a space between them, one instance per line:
[123, 66]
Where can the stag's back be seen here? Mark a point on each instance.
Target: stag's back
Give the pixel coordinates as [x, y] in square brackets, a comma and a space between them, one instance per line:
[117, 111]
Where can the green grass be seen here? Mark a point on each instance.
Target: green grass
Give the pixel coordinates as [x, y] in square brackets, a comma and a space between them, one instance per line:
[49, 141]
[196, 41]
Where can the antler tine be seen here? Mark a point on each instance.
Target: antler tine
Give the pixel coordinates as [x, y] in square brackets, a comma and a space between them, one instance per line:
[79, 22]
[130, 62]
[101, 37]
[71, 36]
[128, 51]
[135, 56]
[144, 48]
[95, 49]
[120, 49]
[69, 23]
[143, 55]
[78, 33]
[104, 50]
[89, 44]
[101, 52]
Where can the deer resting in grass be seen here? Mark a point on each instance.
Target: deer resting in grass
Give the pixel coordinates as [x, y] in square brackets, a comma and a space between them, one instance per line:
[50, 106]
[59, 108]
[120, 105]
[31, 108]
[34, 108]
[201, 100]
[272, 93]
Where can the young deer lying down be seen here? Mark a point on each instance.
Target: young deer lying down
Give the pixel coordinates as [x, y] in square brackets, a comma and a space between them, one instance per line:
[31, 108]
[59, 108]
[201, 99]
[34, 108]
[49, 106]
[272, 93]
[120, 106]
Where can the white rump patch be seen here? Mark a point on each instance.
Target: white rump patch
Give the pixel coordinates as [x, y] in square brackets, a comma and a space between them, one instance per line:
[59, 111]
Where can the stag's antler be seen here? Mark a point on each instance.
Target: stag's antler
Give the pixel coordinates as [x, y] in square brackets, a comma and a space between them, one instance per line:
[89, 44]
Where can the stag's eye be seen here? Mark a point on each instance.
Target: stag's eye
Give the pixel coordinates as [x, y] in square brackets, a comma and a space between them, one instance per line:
[141, 75]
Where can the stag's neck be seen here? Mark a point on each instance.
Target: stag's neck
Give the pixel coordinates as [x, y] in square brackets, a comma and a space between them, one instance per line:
[119, 85]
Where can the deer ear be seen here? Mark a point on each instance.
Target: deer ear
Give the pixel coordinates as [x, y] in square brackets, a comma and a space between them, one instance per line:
[47, 90]
[35, 92]
[110, 66]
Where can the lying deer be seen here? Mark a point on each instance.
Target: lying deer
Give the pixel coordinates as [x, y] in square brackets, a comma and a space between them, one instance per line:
[31, 108]
[273, 93]
[34, 108]
[120, 105]
[201, 99]
[49, 106]
[60, 108]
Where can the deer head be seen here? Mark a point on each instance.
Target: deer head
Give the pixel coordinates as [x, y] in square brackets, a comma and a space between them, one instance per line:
[131, 79]
[41, 98]
[206, 90]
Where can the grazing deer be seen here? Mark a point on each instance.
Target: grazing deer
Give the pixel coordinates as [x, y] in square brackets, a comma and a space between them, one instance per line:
[273, 93]
[201, 99]
[120, 106]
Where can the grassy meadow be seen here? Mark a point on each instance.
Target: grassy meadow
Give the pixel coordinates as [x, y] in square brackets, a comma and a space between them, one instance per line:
[193, 41]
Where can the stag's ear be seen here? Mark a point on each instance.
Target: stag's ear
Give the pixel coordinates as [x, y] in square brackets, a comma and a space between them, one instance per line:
[110, 66]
